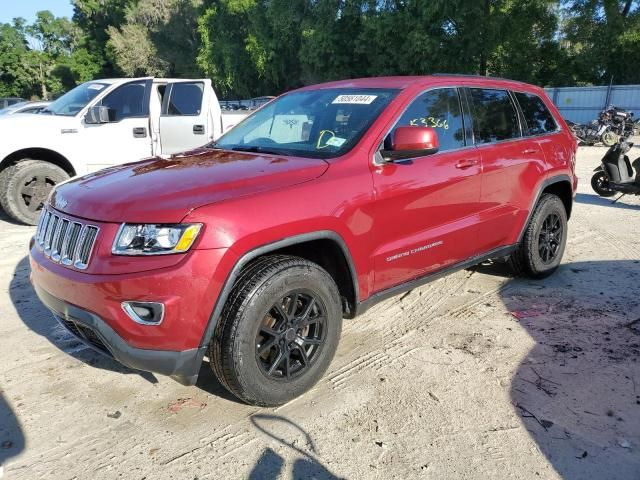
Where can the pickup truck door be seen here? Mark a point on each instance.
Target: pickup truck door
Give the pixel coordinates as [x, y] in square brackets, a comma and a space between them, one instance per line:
[187, 120]
[126, 137]
[426, 207]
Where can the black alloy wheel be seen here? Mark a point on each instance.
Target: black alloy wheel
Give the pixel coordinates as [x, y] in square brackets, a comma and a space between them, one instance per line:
[550, 238]
[291, 335]
[542, 244]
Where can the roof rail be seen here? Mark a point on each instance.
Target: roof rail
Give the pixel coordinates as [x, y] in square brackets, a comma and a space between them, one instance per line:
[469, 75]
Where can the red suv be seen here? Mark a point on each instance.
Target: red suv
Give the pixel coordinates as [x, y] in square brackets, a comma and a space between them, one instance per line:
[328, 199]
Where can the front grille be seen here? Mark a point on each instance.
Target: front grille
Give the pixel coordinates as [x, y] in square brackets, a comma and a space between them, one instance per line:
[65, 241]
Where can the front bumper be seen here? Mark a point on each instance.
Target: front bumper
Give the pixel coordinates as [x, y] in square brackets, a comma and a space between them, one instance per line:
[182, 366]
[89, 304]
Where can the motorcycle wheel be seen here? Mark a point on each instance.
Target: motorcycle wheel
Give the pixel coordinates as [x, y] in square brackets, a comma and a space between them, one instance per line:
[600, 184]
[609, 139]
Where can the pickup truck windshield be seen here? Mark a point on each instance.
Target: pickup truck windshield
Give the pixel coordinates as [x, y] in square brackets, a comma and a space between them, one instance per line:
[314, 123]
[75, 100]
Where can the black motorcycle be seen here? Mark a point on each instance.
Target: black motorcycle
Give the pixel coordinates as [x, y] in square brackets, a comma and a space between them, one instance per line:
[620, 121]
[617, 174]
[612, 125]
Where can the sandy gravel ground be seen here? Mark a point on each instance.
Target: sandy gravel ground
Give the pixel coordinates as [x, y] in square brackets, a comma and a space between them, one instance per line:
[477, 375]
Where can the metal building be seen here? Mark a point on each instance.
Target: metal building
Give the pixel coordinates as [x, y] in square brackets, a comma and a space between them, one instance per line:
[583, 104]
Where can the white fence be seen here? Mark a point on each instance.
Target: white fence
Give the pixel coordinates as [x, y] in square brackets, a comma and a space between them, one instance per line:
[582, 104]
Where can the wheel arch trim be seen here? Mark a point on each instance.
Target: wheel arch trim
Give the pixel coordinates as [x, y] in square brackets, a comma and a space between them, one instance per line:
[265, 249]
[546, 183]
[38, 153]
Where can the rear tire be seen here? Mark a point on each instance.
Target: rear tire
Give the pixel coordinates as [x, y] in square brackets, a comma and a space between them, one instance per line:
[25, 186]
[540, 251]
[600, 184]
[278, 332]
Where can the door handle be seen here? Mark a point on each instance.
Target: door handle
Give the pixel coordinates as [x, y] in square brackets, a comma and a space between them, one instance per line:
[198, 129]
[466, 163]
[529, 151]
[140, 132]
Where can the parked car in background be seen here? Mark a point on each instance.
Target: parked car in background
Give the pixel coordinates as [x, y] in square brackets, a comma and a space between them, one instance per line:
[324, 202]
[24, 107]
[260, 101]
[7, 102]
[251, 104]
[100, 124]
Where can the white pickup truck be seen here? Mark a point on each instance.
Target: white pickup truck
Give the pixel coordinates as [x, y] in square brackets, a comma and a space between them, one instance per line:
[99, 124]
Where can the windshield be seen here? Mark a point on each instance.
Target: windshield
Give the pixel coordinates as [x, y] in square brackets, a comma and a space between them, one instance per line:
[314, 123]
[75, 100]
[13, 108]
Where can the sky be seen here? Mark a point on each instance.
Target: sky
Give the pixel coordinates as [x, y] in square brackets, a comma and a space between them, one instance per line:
[9, 9]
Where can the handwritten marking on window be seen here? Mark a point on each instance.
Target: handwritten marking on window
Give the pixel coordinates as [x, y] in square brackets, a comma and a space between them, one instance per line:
[429, 122]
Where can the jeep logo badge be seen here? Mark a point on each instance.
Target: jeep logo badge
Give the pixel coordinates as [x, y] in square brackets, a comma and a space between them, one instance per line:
[60, 202]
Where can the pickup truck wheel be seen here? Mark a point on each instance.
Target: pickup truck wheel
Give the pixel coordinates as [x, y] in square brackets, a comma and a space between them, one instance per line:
[25, 186]
[278, 332]
[539, 253]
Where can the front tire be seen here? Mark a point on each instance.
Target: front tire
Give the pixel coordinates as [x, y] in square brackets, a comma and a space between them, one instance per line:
[25, 186]
[278, 332]
[540, 251]
[600, 184]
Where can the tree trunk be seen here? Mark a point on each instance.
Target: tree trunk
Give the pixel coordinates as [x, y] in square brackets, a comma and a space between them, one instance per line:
[43, 84]
[485, 37]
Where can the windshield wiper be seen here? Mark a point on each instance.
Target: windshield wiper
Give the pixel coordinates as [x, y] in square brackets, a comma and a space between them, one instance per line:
[258, 149]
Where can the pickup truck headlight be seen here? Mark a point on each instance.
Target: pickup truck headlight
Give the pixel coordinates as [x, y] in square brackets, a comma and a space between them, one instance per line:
[150, 239]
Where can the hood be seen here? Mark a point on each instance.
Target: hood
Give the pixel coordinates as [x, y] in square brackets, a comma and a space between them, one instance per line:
[34, 123]
[162, 190]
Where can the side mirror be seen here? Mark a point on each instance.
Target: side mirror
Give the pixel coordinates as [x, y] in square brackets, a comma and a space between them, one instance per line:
[410, 142]
[97, 115]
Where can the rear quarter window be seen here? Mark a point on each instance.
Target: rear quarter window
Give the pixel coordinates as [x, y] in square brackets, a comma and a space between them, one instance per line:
[537, 116]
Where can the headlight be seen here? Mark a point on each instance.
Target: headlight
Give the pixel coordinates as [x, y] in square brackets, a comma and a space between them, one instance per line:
[149, 239]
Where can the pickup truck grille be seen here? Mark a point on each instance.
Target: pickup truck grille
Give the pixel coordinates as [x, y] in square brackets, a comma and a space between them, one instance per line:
[66, 241]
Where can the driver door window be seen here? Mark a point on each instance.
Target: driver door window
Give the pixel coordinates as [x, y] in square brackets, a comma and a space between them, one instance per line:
[438, 109]
[127, 101]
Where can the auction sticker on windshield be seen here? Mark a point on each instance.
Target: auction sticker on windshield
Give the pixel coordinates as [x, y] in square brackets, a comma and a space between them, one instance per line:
[336, 141]
[355, 99]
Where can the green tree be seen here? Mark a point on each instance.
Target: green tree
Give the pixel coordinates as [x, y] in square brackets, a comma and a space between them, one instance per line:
[159, 38]
[94, 17]
[602, 39]
[14, 79]
[51, 40]
[225, 30]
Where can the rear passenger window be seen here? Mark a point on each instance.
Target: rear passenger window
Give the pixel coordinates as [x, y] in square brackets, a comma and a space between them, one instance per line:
[439, 109]
[494, 115]
[537, 115]
[185, 99]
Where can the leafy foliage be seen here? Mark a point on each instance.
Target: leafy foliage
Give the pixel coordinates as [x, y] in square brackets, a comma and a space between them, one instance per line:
[158, 38]
[261, 47]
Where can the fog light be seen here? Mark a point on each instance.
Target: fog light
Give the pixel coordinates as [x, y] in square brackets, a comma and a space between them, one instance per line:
[144, 313]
